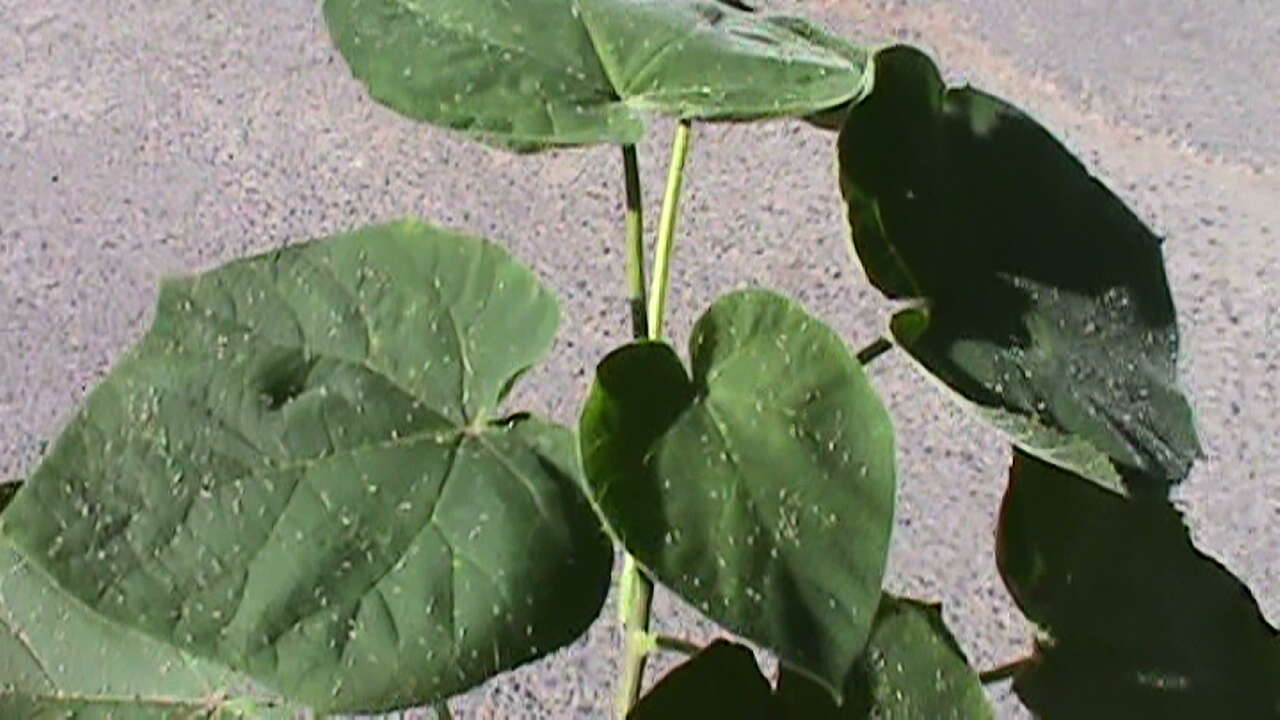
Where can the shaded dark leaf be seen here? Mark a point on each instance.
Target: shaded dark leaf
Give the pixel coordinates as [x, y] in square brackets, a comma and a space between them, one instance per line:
[1044, 305]
[1140, 623]
[721, 681]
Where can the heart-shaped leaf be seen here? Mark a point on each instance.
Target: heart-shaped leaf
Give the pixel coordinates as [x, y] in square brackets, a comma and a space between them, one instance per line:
[58, 659]
[723, 680]
[1141, 623]
[912, 668]
[1045, 304]
[760, 489]
[298, 472]
[540, 73]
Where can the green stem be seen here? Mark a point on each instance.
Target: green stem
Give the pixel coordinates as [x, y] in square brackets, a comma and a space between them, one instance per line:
[442, 710]
[877, 348]
[667, 230]
[1004, 672]
[635, 596]
[635, 591]
[635, 244]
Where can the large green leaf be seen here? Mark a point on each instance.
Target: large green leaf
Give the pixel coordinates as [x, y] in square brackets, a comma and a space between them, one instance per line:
[539, 73]
[721, 681]
[1140, 623]
[912, 669]
[59, 660]
[1044, 299]
[760, 489]
[299, 472]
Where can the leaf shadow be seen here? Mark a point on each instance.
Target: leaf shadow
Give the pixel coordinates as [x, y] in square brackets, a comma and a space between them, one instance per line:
[1138, 621]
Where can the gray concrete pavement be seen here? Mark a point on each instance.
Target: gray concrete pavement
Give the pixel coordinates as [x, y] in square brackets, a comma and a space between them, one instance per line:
[1206, 73]
[139, 139]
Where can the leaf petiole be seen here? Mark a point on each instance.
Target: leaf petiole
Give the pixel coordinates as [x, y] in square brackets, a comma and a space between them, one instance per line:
[667, 229]
[1004, 672]
[676, 644]
[875, 349]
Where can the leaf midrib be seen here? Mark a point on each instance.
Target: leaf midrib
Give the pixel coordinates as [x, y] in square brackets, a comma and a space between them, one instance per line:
[469, 33]
[617, 93]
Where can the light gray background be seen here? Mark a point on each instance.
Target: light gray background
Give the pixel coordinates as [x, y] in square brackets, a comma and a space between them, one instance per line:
[146, 138]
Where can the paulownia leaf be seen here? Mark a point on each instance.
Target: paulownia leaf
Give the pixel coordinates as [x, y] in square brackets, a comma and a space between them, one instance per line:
[541, 73]
[1045, 306]
[721, 681]
[299, 472]
[1140, 623]
[760, 489]
[911, 669]
[59, 660]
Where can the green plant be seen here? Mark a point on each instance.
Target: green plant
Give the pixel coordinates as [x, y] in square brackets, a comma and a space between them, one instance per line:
[302, 487]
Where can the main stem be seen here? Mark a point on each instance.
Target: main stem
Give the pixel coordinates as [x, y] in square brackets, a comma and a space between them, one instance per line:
[635, 596]
[667, 230]
[635, 590]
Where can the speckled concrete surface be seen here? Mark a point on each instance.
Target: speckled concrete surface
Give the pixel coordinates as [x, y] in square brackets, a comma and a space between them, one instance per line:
[145, 138]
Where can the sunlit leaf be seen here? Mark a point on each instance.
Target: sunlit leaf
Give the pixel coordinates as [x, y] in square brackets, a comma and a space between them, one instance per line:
[1043, 302]
[300, 472]
[58, 659]
[541, 73]
[761, 488]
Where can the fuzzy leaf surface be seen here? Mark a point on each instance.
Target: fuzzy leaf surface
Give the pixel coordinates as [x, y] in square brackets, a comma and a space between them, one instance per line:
[542, 73]
[299, 472]
[760, 488]
[1042, 299]
[58, 659]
